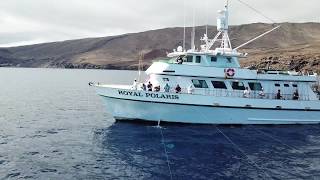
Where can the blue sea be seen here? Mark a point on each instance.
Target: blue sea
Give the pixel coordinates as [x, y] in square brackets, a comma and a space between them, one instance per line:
[54, 126]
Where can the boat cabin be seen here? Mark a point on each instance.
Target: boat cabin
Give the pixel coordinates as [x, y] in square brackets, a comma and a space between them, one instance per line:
[198, 59]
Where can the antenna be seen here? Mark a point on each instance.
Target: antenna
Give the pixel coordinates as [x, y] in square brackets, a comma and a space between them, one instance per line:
[141, 57]
[193, 30]
[184, 25]
[207, 12]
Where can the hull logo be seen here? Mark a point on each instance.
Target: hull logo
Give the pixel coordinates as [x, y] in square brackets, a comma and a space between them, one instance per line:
[148, 95]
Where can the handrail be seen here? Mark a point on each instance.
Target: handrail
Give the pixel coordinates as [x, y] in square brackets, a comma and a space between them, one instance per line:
[239, 94]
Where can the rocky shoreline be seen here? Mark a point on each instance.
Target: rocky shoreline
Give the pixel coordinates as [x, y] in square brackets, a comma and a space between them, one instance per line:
[295, 46]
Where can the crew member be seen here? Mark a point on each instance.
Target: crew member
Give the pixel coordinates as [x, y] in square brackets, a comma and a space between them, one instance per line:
[178, 89]
[261, 93]
[166, 88]
[246, 93]
[179, 60]
[278, 96]
[190, 89]
[296, 95]
[149, 86]
[135, 85]
[143, 87]
[157, 88]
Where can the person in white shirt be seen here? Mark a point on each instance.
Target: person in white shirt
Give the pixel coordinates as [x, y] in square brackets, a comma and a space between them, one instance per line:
[135, 85]
[261, 93]
[246, 93]
[190, 89]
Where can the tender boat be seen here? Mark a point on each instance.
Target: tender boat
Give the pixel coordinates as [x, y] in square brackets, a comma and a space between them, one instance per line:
[208, 86]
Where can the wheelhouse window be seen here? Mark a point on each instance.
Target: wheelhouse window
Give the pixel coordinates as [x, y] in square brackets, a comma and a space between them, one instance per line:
[165, 79]
[199, 83]
[295, 85]
[198, 59]
[237, 85]
[254, 86]
[213, 59]
[189, 58]
[219, 85]
[277, 85]
[286, 85]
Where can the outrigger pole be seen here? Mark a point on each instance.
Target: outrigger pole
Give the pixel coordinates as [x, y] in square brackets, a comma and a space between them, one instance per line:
[257, 38]
[257, 11]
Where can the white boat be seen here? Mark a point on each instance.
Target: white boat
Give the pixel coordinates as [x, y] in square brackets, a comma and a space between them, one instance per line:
[214, 89]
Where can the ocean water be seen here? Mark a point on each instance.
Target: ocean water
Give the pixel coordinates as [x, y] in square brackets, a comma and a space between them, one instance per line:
[54, 126]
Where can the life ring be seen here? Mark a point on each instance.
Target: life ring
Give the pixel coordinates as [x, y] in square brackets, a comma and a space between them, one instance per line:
[230, 72]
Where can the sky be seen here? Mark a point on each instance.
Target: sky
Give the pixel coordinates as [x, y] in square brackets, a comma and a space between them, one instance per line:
[24, 22]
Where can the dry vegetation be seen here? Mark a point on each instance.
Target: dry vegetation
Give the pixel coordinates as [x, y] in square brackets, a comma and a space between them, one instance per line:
[292, 47]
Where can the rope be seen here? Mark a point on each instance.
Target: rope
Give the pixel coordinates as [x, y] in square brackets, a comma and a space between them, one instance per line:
[239, 149]
[282, 143]
[165, 151]
[257, 11]
[275, 139]
[243, 153]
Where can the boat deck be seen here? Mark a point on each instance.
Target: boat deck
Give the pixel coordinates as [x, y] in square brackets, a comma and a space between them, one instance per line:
[221, 93]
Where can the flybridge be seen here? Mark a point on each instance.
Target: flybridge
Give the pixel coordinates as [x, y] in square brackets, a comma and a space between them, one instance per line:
[222, 38]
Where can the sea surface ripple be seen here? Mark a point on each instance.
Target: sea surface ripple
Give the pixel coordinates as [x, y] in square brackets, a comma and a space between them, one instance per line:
[54, 126]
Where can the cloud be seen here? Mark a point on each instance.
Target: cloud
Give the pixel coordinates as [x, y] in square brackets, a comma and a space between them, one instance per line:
[29, 21]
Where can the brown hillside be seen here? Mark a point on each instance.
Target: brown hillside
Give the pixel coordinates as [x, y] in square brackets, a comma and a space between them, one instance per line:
[293, 46]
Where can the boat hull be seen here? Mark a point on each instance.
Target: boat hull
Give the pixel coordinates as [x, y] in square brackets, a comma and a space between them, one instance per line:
[129, 109]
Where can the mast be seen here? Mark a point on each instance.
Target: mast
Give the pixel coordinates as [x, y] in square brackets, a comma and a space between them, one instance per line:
[222, 37]
[184, 25]
[193, 33]
[222, 27]
[207, 5]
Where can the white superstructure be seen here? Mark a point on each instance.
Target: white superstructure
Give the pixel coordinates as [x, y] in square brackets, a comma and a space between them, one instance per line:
[214, 89]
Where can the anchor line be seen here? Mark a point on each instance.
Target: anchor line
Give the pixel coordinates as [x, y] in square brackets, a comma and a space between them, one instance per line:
[240, 150]
[275, 139]
[281, 142]
[243, 153]
[165, 150]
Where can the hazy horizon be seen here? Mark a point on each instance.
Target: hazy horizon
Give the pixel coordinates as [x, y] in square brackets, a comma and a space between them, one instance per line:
[40, 21]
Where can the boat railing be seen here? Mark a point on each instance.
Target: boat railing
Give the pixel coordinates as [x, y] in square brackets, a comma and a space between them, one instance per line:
[240, 94]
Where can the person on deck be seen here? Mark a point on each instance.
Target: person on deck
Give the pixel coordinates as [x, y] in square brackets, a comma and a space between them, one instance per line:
[166, 88]
[149, 86]
[143, 87]
[135, 85]
[178, 89]
[261, 93]
[190, 89]
[157, 88]
[179, 60]
[246, 93]
[296, 95]
[279, 96]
